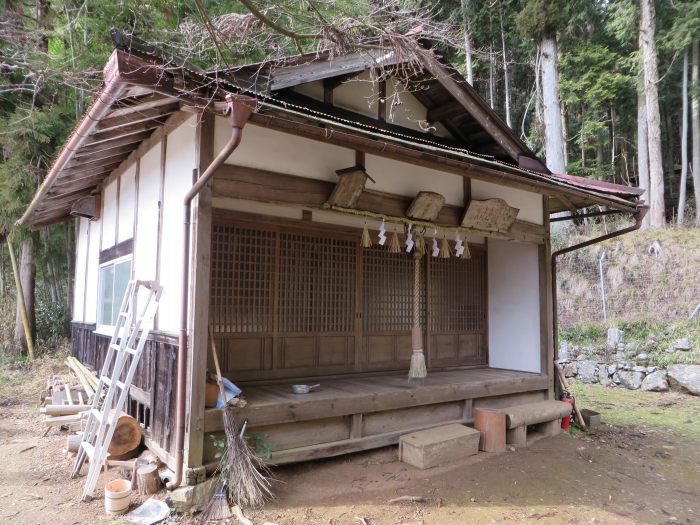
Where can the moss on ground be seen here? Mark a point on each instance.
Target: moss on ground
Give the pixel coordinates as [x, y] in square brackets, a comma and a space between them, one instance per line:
[679, 413]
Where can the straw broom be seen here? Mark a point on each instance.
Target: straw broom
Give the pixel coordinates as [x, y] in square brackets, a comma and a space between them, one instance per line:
[417, 369]
[240, 469]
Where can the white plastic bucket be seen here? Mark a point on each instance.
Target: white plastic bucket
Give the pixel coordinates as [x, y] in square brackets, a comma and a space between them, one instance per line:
[117, 496]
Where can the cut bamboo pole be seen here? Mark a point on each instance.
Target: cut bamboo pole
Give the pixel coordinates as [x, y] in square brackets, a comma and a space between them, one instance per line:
[20, 302]
[72, 363]
[69, 394]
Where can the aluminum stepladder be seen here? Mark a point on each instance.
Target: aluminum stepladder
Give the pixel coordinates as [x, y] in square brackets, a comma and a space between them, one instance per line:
[123, 354]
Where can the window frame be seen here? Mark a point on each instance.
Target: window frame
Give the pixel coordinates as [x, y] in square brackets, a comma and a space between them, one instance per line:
[101, 327]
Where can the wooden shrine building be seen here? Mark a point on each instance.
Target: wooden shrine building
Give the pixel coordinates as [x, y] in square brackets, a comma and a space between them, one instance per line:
[279, 267]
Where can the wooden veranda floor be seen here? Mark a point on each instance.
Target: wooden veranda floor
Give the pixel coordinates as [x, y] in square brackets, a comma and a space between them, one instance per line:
[356, 413]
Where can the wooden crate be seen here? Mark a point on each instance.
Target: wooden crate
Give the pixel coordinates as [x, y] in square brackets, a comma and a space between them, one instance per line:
[439, 445]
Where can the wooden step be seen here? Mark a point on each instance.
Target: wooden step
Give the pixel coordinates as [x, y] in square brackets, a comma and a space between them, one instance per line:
[438, 446]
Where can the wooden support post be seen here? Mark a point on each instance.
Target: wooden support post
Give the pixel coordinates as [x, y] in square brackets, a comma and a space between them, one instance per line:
[547, 309]
[199, 299]
[356, 426]
[517, 436]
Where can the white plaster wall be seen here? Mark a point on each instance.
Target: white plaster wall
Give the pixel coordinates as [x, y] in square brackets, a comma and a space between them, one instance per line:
[529, 203]
[109, 215]
[359, 95]
[146, 242]
[179, 163]
[81, 249]
[311, 89]
[92, 273]
[127, 204]
[263, 148]
[401, 178]
[514, 306]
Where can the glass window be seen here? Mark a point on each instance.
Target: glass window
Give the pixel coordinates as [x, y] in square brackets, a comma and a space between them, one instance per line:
[114, 278]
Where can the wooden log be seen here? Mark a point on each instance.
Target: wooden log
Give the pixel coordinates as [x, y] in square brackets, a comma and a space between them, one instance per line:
[148, 480]
[127, 436]
[63, 410]
[492, 425]
[58, 421]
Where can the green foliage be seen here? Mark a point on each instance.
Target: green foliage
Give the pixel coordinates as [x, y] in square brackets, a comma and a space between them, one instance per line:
[262, 448]
[52, 322]
[36, 133]
[585, 335]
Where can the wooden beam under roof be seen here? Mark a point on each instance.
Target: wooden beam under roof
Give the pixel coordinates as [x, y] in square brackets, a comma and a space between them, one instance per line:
[439, 113]
[467, 97]
[148, 102]
[416, 154]
[96, 172]
[101, 154]
[289, 76]
[116, 142]
[110, 122]
[126, 130]
[81, 167]
[279, 188]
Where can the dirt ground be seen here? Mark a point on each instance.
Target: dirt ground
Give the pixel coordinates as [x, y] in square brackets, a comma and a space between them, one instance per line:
[618, 474]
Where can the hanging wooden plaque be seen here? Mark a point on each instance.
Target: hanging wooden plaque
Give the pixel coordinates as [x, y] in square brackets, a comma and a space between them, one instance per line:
[426, 206]
[349, 187]
[490, 215]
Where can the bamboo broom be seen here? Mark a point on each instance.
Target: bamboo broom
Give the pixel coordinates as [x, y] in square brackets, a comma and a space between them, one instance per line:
[240, 468]
[417, 369]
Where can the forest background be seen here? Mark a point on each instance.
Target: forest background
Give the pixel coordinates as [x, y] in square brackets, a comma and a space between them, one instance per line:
[605, 89]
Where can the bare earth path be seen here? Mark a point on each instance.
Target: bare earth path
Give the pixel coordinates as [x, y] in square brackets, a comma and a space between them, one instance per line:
[640, 474]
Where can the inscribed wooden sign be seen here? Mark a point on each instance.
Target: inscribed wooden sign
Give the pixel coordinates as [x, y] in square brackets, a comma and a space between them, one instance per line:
[490, 215]
[426, 206]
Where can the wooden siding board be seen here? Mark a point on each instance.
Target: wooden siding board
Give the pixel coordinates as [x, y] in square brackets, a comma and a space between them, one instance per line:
[154, 380]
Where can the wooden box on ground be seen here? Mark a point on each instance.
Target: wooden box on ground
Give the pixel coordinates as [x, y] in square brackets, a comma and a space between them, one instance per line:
[591, 418]
[438, 446]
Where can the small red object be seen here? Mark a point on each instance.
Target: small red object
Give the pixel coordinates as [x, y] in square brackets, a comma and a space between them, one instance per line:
[566, 421]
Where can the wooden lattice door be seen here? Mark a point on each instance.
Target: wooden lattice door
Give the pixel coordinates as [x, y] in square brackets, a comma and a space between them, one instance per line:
[294, 302]
[457, 326]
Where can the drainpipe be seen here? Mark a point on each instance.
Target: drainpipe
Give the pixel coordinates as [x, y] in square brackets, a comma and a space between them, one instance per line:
[638, 218]
[238, 111]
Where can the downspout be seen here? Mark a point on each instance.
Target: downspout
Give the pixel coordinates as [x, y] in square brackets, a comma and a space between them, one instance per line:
[638, 218]
[238, 111]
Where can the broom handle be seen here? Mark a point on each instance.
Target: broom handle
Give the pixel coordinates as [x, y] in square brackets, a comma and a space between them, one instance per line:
[565, 384]
[219, 381]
